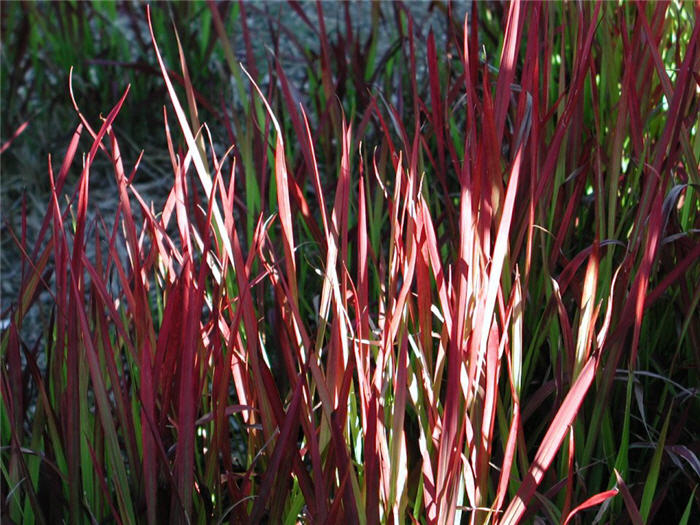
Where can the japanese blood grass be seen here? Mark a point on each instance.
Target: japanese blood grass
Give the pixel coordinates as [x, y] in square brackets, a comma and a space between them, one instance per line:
[415, 313]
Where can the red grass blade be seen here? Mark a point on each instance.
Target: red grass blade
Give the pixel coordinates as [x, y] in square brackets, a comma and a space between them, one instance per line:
[591, 502]
[551, 442]
[17, 133]
[632, 509]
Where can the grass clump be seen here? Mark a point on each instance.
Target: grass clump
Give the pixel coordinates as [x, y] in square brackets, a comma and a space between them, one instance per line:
[446, 278]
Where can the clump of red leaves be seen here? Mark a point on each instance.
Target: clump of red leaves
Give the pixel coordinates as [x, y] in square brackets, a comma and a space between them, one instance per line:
[410, 326]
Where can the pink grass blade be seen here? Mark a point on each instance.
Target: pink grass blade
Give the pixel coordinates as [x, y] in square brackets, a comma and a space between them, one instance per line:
[500, 249]
[58, 183]
[588, 306]
[201, 169]
[551, 442]
[639, 290]
[511, 45]
[73, 398]
[591, 502]
[508, 459]
[285, 212]
[6, 145]
[145, 336]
